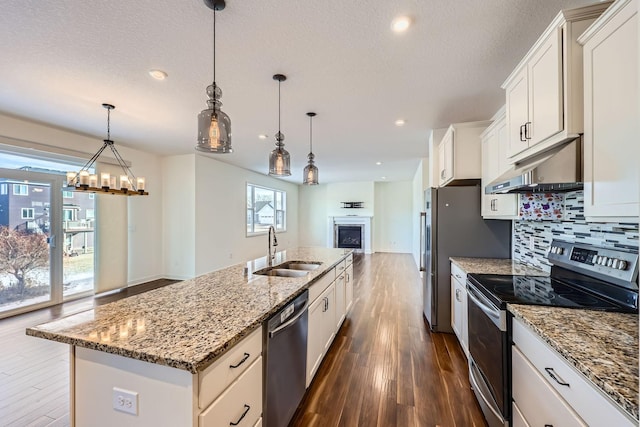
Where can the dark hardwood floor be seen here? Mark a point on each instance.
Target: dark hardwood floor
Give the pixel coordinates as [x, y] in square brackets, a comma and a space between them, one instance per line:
[385, 368]
[34, 373]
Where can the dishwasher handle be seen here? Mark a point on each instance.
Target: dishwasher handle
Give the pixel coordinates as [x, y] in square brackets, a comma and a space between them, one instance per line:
[289, 322]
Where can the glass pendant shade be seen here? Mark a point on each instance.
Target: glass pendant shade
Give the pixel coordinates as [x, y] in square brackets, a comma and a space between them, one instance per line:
[279, 159]
[214, 126]
[310, 173]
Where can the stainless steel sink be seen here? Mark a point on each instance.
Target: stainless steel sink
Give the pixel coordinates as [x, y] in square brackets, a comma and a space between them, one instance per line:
[300, 265]
[281, 272]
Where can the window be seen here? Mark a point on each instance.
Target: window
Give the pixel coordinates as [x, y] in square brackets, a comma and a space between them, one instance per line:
[27, 213]
[92, 196]
[3, 189]
[68, 194]
[90, 214]
[20, 189]
[265, 207]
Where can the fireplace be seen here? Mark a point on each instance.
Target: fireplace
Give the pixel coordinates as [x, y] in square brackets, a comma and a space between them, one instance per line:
[348, 236]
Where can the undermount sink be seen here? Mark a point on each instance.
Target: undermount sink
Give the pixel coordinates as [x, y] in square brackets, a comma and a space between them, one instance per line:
[281, 272]
[300, 265]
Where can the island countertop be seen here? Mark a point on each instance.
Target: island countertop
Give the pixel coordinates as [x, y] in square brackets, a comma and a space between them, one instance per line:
[505, 266]
[189, 324]
[602, 346]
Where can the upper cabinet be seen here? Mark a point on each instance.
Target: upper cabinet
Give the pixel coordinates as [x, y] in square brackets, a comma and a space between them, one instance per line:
[495, 163]
[459, 153]
[544, 103]
[611, 148]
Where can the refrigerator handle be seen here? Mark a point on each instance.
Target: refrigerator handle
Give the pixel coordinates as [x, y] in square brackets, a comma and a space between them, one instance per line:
[423, 226]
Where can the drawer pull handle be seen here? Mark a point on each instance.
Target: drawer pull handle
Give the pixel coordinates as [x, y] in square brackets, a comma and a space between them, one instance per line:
[458, 276]
[246, 409]
[244, 359]
[552, 374]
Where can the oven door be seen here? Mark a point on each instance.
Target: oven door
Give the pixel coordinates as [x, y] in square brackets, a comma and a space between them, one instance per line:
[489, 356]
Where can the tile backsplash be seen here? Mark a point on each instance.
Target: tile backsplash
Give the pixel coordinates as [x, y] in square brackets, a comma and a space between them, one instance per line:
[573, 228]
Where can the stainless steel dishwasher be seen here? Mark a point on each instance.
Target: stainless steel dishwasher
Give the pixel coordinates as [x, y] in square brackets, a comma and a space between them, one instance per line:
[285, 361]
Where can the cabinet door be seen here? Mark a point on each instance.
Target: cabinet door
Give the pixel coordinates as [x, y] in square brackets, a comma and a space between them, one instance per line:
[329, 318]
[340, 299]
[464, 325]
[611, 148]
[517, 113]
[348, 289]
[315, 337]
[456, 309]
[488, 160]
[446, 157]
[545, 90]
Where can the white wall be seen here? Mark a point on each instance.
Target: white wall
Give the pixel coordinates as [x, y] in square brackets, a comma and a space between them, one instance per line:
[144, 220]
[179, 216]
[393, 226]
[312, 215]
[220, 212]
[350, 192]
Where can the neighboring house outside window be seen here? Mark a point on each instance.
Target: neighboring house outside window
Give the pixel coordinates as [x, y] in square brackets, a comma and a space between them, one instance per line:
[265, 207]
[3, 189]
[68, 194]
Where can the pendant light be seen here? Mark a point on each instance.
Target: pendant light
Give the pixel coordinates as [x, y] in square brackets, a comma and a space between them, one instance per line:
[84, 180]
[310, 174]
[279, 160]
[214, 125]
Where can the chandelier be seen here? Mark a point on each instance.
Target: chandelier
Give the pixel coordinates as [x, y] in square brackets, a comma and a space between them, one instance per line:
[84, 180]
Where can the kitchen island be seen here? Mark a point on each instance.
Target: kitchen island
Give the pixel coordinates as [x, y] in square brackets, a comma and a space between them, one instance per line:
[160, 349]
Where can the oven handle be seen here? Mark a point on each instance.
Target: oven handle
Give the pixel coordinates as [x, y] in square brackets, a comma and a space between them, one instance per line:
[496, 315]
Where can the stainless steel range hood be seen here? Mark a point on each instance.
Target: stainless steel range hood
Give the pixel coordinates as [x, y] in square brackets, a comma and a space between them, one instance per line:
[557, 170]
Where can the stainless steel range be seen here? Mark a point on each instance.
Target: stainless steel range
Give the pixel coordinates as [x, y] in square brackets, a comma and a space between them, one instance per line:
[582, 276]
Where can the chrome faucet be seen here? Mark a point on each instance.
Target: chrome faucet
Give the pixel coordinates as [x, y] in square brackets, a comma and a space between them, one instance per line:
[271, 256]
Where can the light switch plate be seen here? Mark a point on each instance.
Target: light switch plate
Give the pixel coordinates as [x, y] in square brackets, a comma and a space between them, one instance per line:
[125, 401]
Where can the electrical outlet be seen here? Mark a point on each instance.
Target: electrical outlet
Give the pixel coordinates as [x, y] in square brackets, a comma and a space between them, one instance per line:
[125, 401]
[532, 243]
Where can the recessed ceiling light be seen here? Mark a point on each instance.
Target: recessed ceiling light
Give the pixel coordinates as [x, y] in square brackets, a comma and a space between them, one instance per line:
[378, 163]
[384, 177]
[158, 74]
[400, 24]
[262, 136]
[400, 122]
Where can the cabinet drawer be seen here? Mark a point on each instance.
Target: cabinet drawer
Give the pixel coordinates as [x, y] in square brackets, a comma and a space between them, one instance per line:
[594, 408]
[340, 267]
[323, 283]
[539, 403]
[225, 370]
[258, 423]
[241, 401]
[459, 274]
[348, 260]
[518, 418]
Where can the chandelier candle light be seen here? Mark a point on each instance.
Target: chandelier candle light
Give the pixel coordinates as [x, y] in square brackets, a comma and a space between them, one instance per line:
[84, 180]
[214, 125]
[310, 174]
[279, 159]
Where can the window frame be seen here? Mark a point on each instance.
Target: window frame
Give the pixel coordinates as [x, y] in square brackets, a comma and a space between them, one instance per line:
[250, 215]
[23, 210]
[20, 186]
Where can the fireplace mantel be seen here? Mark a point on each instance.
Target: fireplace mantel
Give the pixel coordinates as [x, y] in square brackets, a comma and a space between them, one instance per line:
[365, 221]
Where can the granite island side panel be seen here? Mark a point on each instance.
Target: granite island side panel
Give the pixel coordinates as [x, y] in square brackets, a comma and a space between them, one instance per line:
[189, 324]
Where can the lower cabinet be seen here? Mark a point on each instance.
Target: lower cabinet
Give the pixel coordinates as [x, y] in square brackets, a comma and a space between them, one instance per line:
[322, 326]
[459, 307]
[547, 390]
[341, 308]
[348, 289]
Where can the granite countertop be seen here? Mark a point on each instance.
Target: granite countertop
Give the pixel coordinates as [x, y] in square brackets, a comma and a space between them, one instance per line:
[189, 324]
[504, 266]
[602, 346]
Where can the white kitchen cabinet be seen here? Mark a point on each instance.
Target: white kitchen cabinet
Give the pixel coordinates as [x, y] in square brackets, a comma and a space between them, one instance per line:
[341, 307]
[322, 327]
[544, 102]
[459, 307]
[348, 288]
[240, 404]
[495, 163]
[459, 153]
[548, 390]
[611, 148]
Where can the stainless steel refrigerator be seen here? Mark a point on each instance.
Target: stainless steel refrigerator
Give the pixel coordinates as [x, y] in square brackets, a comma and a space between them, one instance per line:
[452, 225]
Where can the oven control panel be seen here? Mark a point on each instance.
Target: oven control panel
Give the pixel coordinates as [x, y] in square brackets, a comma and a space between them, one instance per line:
[609, 264]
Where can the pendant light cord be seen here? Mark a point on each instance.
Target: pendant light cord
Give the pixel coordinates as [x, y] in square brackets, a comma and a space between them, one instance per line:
[214, 50]
[279, 113]
[310, 134]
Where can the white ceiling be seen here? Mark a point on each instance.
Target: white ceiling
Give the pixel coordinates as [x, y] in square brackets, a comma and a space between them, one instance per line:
[62, 58]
